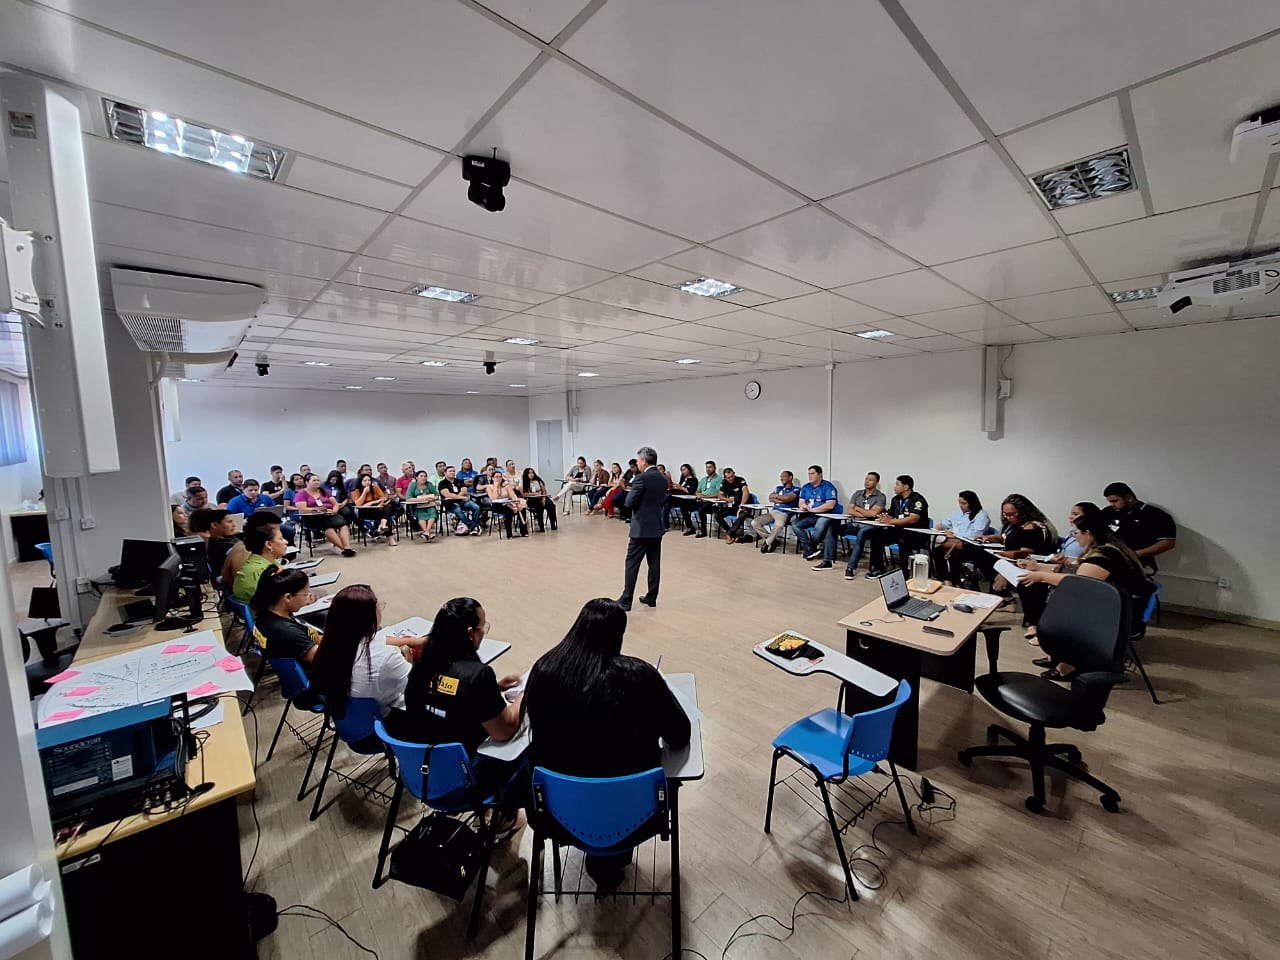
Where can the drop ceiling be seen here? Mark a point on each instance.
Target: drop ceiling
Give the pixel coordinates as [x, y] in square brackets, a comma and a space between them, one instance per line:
[849, 164]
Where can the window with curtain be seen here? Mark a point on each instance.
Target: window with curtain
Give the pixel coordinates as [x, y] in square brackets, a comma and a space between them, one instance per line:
[13, 445]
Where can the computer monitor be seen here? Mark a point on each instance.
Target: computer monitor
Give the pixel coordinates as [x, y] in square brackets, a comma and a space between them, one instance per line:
[139, 560]
[168, 582]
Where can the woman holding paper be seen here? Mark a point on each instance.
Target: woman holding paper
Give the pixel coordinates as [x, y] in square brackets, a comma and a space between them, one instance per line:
[1026, 531]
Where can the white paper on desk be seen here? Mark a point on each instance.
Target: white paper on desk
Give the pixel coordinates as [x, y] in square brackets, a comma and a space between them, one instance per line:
[509, 749]
[1010, 570]
[512, 692]
[689, 706]
[977, 600]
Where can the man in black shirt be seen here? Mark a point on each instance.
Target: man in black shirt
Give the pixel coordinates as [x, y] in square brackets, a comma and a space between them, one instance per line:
[906, 509]
[274, 488]
[234, 487]
[217, 530]
[733, 493]
[1146, 530]
[456, 502]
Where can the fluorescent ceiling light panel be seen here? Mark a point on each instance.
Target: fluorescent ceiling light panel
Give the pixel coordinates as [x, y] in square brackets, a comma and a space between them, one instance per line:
[688, 360]
[435, 363]
[354, 388]
[189, 380]
[584, 374]
[182, 138]
[1129, 296]
[1093, 178]
[517, 384]
[441, 293]
[874, 334]
[384, 378]
[473, 392]
[709, 287]
[522, 341]
[315, 363]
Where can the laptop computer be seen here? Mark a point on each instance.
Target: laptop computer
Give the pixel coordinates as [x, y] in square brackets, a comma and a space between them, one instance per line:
[898, 600]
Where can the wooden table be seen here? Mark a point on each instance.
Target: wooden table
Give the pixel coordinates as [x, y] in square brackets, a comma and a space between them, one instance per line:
[119, 881]
[901, 649]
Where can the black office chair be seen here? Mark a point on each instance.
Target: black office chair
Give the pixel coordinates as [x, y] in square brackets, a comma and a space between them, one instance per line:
[41, 630]
[1085, 624]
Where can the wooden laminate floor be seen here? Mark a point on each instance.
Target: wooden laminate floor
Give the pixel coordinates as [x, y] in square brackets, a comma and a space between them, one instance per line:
[1186, 869]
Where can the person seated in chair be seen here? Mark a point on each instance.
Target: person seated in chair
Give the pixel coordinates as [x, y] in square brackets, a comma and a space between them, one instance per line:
[534, 491]
[275, 487]
[1106, 557]
[179, 497]
[368, 495]
[280, 594]
[785, 494]
[218, 531]
[1146, 529]
[817, 498]
[197, 497]
[266, 548]
[576, 478]
[967, 522]
[733, 493]
[595, 712]
[423, 499]
[1026, 531]
[235, 486]
[708, 490]
[867, 504]
[458, 503]
[908, 508]
[352, 663]
[319, 511]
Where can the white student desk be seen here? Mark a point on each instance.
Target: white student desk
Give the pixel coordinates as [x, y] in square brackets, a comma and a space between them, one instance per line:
[833, 663]
[489, 650]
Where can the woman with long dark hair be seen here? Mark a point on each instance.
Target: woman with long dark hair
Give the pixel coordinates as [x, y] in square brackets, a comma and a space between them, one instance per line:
[369, 495]
[534, 491]
[280, 595]
[594, 712]
[966, 522]
[319, 511]
[452, 697]
[351, 663]
[1026, 531]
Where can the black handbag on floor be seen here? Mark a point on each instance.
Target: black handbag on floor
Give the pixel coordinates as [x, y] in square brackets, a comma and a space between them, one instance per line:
[439, 854]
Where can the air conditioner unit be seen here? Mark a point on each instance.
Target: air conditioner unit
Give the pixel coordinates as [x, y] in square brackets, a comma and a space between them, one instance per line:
[188, 321]
[1225, 286]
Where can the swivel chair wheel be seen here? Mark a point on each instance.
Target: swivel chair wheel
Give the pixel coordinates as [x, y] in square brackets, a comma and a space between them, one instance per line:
[993, 735]
[1074, 756]
[1035, 804]
[1110, 803]
[965, 759]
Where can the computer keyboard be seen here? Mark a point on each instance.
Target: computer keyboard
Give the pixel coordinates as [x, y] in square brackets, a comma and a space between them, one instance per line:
[915, 607]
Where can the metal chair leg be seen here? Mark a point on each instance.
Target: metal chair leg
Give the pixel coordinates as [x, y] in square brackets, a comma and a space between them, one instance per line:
[557, 869]
[490, 834]
[902, 798]
[773, 779]
[835, 835]
[1137, 661]
[306, 777]
[535, 878]
[385, 846]
[324, 776]
[279, 726]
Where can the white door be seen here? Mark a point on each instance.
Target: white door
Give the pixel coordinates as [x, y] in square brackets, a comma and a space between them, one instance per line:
[551, 463]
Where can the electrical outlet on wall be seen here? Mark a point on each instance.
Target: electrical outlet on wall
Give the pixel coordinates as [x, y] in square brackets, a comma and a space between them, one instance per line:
[87, 522]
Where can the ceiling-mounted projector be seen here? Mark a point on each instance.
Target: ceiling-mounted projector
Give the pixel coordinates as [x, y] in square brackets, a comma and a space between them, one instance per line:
[1257, 136]
[1222, 285]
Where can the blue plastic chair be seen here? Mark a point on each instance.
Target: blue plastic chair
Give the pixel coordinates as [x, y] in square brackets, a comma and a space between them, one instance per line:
[293, 685]
[355, 728]
[440, 776]
[600, 817]
[1149, 611]
[834, 746]
[47, 550]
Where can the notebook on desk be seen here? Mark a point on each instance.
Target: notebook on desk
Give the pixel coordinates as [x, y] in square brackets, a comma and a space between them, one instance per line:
[899, 600]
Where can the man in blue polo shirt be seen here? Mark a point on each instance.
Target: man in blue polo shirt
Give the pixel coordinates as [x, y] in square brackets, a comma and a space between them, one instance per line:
[785, 494]
[250, 500]
[817, 497]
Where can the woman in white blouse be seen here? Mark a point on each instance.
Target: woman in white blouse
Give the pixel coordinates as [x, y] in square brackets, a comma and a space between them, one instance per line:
[967, 522]
[351, 663]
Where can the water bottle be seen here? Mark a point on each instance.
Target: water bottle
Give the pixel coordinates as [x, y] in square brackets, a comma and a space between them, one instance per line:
[920, 572]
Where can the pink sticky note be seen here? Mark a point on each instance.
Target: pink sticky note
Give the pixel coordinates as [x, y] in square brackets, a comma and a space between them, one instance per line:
[230, 664]
[63, 715]
[64, 675]
[203, 648]
[175, 648]
[82, 691]
[203, 690]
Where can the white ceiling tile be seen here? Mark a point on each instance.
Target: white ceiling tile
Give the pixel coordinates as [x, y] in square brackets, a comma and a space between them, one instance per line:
[542, 18]
[551, 330]
[748, 298]
[363, 300]
[389, 275]
[976, 317]
[539, 220]
[662, 273]
[709, 76]
[824, 309]
[605, 315]
[654, 298]
[903, 328]
[697, 333]
[1044, 307]
[1167, 242]
[125, 227]
[1101, 213]
[1035, 268]
[1083, 326]
[1184, 124]
[1021, 61]
[814, 247]
[705, 262]
[296, 50]
[572, 135]
[437, 249]
[759, 323]
[1072, 136]
[131, 176]
[944, 343]
[79, 54]
[962, 206]
[917, 291]
[652, 345]
[1019, 333]
[328, 180]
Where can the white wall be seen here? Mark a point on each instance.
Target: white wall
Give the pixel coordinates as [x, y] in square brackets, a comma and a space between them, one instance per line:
[1183, 415]
[250, 429]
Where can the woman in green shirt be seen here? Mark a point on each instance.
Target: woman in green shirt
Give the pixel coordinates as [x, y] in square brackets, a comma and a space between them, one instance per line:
[422, 498]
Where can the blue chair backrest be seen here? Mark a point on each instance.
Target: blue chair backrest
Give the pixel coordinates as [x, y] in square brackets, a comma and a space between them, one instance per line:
[1153, 601]
[449, 781]
[872, 730]
[600, 814]
[293, 679]
[47, 550]
[357, 721]
[243, 611]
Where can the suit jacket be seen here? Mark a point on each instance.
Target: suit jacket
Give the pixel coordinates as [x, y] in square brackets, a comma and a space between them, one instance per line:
[645, 499]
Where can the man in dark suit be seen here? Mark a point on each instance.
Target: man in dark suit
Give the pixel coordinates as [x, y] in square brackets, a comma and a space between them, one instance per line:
[645, 500]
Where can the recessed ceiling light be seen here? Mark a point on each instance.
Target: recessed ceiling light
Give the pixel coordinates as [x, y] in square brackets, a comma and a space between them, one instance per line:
[517, 384]
[709, 287]
[585, 374]
[473, 392]
[688, 360]
[435, 363]
[173, 135]
[522, 341]
[349, 387]
[443, 293]
[314, 363]
[384, 378]
[189, 380]
[1092, 178]
[1128, 296]
[874, 334]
